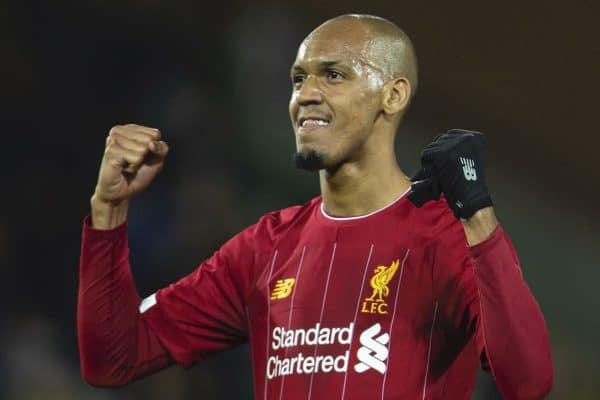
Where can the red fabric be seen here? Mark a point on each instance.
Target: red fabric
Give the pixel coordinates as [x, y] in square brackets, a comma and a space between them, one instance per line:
[515, 336]
[485, 294]
[116, 345]
[443, 308]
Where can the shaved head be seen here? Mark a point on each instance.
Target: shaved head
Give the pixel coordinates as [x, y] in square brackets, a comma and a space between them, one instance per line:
[352, 81]
[385, 46]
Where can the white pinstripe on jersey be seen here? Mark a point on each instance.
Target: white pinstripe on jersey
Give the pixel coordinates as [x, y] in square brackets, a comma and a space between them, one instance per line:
[392, 323]
[362, 285]
[429, 350]
[291, 313]
[312, 375]
[268, 297]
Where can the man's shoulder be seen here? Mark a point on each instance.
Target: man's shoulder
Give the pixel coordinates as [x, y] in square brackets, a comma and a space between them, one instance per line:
[273, 223]
[288, 214]
[435, 220]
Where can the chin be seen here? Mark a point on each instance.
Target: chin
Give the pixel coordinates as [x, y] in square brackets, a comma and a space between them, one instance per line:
[315, 160]
[310, 159]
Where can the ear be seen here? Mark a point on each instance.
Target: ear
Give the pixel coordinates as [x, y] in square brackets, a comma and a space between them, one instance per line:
[396, 95]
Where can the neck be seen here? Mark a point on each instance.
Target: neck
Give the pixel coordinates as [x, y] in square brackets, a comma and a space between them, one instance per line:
[365, 185]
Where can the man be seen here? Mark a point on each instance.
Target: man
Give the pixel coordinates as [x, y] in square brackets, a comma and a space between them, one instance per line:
[377, 288]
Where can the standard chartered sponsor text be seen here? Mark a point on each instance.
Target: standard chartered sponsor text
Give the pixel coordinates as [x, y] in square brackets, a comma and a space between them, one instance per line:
[303, 363]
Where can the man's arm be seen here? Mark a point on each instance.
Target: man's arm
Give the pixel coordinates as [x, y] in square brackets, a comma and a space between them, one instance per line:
[512, 332]
[122, 339]
[493, 298]
[116, 345]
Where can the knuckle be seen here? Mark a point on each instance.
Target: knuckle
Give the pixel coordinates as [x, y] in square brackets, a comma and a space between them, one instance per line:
[112, 147]
[137, 158]
[111, 157]
[112, 160]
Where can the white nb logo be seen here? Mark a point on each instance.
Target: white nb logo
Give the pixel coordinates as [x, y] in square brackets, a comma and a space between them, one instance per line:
[469, 169]
[373, 352]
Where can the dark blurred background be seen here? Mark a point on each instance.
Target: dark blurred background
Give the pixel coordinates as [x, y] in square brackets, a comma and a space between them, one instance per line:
[214, 78]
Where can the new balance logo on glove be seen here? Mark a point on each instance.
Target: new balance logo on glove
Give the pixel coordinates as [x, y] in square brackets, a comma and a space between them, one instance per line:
[469, 169]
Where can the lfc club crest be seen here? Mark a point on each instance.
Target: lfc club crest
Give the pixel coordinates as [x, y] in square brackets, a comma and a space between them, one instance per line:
[376, 303]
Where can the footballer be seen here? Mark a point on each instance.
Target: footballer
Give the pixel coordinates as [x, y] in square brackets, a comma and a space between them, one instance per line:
[381, 287]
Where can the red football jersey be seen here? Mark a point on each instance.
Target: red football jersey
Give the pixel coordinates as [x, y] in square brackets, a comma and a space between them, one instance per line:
[381, 306]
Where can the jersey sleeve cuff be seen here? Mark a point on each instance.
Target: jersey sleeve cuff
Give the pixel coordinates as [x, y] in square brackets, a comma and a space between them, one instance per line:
[488, 244]
[90, 232]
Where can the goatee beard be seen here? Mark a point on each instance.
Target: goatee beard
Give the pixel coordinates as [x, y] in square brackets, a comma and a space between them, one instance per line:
[310, 161]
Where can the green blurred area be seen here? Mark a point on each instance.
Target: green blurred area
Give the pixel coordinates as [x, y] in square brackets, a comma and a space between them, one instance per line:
[215, 80]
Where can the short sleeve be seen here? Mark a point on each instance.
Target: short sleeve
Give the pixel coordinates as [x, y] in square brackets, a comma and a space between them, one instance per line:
[205, 313]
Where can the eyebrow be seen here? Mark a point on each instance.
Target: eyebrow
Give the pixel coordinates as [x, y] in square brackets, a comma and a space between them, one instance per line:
[322, 64]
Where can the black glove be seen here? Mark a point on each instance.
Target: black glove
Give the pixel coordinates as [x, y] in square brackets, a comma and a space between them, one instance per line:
[453, 164]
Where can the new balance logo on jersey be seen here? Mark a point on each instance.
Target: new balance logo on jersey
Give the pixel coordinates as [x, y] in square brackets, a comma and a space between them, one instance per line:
[468, 169]
[282, 289]
[374, 351]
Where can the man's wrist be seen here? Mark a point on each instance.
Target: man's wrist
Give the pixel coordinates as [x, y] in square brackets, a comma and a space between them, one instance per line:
[480, 225]
[107, 215]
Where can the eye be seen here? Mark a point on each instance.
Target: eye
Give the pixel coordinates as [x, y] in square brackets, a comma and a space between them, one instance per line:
[334, 75]
[297, 79]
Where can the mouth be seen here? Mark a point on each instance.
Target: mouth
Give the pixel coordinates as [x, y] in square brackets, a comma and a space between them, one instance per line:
[310, 124]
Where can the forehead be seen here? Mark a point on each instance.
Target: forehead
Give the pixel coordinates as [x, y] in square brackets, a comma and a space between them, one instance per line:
[328, 44]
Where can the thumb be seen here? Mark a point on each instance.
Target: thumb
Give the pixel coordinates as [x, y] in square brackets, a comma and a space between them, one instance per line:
[423, 191]
[421, 174]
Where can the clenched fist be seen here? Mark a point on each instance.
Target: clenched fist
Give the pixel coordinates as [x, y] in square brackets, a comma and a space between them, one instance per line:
[133, 156]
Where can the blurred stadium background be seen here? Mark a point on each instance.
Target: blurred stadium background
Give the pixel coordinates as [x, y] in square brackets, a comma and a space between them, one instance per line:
[214, 79]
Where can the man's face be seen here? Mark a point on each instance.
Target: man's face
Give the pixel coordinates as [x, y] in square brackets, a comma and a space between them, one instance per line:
[335, 98]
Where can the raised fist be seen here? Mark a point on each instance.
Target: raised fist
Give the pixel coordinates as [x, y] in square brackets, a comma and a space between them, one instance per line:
[133, 156]
[453, 164]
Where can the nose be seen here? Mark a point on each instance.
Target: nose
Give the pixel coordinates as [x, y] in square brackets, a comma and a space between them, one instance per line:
[309, 92]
